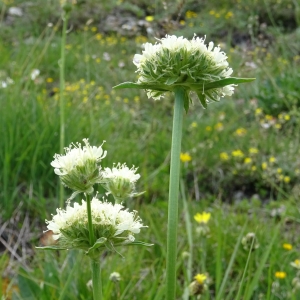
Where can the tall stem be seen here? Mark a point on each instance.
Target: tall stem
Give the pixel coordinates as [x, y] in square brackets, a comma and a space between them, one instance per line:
[97, 282]
[174, 193]
[96, 268]
[61, 96]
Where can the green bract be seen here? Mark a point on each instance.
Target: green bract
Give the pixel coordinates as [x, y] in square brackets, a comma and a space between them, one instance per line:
[188, 64]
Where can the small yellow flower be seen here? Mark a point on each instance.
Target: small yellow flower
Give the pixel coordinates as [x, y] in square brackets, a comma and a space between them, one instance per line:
[253, 168]
[258, 111]
[278, 126]
[279, 170]
[229, 15]
[94, 29]
[268, 117]
[264, 165]
[194, 125]
[237, 153]
[280, 275]
[185, 157]
[190, 14]
[202, 218]
[200, 278]
[286, 179]
[296, 264]
[247, 160]
[149, 18]
[219, 126]
[272, 159]
[240, 131]
[253, 150]
[182, 22]
[224, 156]
[49, 80]
[208, 128]
[287, 246]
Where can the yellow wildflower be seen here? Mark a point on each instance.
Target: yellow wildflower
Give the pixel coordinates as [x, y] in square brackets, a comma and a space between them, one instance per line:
[287, 117]
[208, 128]
[287, 246]
[258, 111]
[200, 278]
[185, 157]
[190, 14]
[264, 165]
[237, 153]
[253, 150]
[253, 168]
[202, 218]
[247, 160]
[194, 125]
[228, 15]
[286, 179]
[280, 275]
[240, 131]
[182, 22]
[224, 156]
[49, 80]
[272, 159]
[296, 264]
[279, 170]
[149, 18]
[219, 126]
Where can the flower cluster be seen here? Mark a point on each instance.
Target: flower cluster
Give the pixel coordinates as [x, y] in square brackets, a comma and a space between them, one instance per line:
[120, 181]
[192, 64]
[79, 167]
[112, 225]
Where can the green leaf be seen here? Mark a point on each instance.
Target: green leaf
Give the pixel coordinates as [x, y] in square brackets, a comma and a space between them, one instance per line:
[133, 85]
[138, 243]
[202, 99]
[186, 102]
[51, 248]
[97, 244]
[171, 80]
[223, 82]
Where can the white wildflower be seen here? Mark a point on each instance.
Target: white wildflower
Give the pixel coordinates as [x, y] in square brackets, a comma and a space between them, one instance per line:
[79, 167]
[120, 181]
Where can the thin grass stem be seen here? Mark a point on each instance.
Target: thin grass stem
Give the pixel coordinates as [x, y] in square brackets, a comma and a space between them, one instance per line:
[62, 97]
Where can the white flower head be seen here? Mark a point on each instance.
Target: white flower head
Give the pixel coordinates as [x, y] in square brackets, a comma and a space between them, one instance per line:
[120, 181]
[79, 167]
[114, 224]
[177, 61]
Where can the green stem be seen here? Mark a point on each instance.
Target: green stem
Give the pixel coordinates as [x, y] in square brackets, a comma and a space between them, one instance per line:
[97, 283]
[174, 193]
[96, 269]
[90, 221]
[61, 96]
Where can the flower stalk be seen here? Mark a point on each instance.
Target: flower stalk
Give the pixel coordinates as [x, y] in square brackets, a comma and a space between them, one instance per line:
[65, 17]
[174, 193]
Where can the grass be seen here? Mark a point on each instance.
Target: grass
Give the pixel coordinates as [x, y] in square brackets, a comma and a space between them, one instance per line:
[224, 177]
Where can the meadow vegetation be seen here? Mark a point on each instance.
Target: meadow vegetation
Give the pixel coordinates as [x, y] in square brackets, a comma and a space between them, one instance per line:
[240, 159]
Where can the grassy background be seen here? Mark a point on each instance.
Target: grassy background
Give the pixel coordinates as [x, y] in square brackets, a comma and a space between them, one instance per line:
[225, 177]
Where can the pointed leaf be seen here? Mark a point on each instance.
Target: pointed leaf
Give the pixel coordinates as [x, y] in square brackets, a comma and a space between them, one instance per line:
[221, 83]
[218, 83]
[186, 102]
[138, 243]
[97, 244]
[51, 248]
[130, 85]
[171, 80]
[202, 99]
